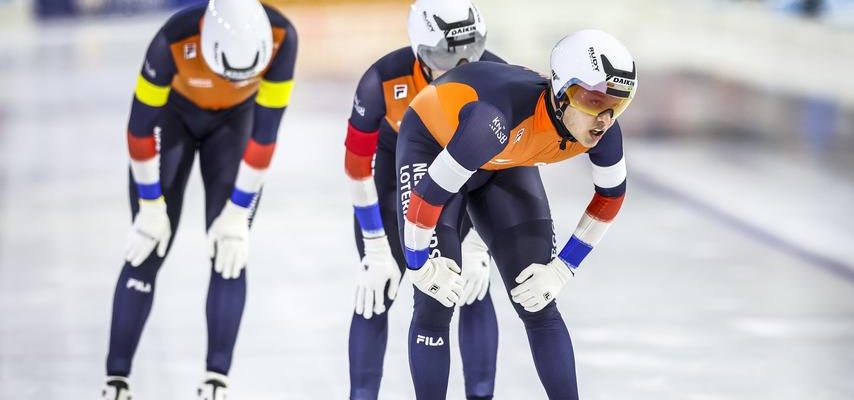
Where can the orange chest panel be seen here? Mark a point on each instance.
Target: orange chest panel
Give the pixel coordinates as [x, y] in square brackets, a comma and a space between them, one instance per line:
[399, 92]
[534, 142]
[195, 81]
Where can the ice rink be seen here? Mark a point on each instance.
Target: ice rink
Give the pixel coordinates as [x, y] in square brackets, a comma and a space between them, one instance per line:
[729, 273]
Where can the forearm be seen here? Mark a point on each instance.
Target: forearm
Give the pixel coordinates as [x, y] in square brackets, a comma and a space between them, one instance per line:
[360, 149]
[270, 105]
[444, 178]
[591, 229]
[148, 101]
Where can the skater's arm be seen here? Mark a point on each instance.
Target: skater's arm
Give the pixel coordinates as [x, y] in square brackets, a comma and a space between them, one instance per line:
[609, 179]
[480, 136]
[274, 94]
[361, 145]
[150, 95]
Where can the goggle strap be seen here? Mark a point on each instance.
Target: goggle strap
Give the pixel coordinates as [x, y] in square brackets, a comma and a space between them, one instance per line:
[556, 117]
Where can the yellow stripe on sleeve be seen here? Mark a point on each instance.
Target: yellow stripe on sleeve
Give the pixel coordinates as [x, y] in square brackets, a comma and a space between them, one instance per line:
[151, 94]
[274, 94]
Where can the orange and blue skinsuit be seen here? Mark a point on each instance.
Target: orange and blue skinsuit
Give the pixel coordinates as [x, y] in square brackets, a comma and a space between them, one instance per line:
[181, 108]
[382, 97]
[475, 137]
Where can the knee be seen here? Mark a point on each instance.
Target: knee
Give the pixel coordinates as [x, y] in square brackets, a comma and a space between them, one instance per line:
[145, 272]
[546, 316]
[430, 314]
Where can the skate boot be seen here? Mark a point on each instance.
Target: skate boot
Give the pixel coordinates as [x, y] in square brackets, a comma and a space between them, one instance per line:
[116, 388]
[213, 387]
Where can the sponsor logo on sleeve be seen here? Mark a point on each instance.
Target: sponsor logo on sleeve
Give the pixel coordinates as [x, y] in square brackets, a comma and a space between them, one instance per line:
[358, 107]
[498, 129]
[148, 70]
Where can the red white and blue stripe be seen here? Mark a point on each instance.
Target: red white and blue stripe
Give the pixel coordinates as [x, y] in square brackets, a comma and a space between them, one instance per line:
[358, 159]
[610, 182]
[250, 175]
[445, 176]
[145, 165]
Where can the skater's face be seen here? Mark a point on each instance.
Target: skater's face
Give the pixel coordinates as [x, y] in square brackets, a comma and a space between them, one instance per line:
[587, 129]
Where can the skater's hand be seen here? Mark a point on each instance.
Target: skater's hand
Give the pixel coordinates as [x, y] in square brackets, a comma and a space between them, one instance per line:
[440, 279]
[540, 284]
[378, 267]
[228, 240]
[475, 268]
[150, 228]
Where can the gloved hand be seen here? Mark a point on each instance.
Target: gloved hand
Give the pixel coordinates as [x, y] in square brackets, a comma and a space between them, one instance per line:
[228, 239]
[475, 268]
[540, 284]
[440, 279]
[150, 228]
[379, 267]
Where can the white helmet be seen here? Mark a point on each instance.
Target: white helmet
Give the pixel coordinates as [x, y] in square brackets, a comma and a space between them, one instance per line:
[591, 61]
[444, 32]
[237, 41]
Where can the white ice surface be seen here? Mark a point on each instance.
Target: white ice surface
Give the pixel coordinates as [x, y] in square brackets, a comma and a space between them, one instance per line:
[671, 305]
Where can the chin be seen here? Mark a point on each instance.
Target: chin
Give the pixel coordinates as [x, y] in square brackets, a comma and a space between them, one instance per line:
[589, 142]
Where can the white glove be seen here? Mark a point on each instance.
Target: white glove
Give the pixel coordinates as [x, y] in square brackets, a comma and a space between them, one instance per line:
[379, 267]
[540, 284]
[228, 239]
[150, 228]
[475, 268]
[440, 279]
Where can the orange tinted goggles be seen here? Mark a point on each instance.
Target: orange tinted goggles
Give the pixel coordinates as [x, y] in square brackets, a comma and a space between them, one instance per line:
[595, 103]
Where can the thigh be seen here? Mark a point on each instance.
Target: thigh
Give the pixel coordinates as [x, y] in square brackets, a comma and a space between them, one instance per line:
[511, 214]
[220, 153]
[509, 198]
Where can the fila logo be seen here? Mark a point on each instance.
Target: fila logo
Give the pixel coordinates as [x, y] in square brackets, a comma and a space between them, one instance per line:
[138, 285]
[430, 341]
[547, 296]
[189, 51]
[519, 135]
[400, 91]
[434, 288]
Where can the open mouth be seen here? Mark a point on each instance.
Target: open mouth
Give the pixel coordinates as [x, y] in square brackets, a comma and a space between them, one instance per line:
[597, 133]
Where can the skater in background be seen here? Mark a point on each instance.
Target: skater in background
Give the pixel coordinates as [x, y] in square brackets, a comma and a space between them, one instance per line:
[443, 34]
[216, 80]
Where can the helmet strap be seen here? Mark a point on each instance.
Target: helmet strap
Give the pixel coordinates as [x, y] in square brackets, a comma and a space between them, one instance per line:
[427, 71]
[557, 120]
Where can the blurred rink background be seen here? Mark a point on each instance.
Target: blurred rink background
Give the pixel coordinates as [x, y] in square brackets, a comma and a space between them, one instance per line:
[729, 273]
